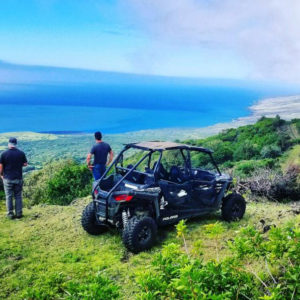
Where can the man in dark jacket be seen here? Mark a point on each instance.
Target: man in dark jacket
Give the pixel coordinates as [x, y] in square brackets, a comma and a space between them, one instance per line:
[11, 163]
[100, 152]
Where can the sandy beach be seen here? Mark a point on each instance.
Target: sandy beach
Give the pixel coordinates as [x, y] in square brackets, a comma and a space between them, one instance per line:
[286, 107]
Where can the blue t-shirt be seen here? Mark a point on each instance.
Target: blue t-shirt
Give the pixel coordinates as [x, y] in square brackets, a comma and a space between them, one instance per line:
[100, 151]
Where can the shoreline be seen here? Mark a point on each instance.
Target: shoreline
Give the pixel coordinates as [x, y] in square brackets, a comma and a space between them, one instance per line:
[287, 107]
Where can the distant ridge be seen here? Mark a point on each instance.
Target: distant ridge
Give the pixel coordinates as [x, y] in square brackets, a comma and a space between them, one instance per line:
[62, 132]
[55, 74]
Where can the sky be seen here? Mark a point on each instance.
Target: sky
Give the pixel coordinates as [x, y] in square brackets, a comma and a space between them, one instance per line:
[249, 39]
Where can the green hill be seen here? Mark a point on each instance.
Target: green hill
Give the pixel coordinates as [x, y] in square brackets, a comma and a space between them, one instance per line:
[47, 255]
[262, 143]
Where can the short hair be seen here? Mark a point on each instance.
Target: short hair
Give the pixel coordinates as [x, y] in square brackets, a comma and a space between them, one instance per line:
[98, 135]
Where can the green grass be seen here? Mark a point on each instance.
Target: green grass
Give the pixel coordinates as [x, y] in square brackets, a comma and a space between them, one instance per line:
[46, 254]
[292, 157]
[27, 136]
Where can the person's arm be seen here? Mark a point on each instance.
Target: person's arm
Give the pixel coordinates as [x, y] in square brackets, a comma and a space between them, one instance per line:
[88, 161]
[89, 158]
[25, 162]
[111, 157]
[1, 171]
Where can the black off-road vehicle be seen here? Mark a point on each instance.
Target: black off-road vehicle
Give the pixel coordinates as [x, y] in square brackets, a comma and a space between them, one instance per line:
[167, 183]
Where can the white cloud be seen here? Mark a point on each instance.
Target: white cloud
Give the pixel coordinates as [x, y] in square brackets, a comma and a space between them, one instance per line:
[266, 33]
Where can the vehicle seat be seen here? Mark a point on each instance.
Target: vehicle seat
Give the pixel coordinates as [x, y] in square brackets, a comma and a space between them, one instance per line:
[134, 176]
[161, 171]
[176, 175]
[148, 170]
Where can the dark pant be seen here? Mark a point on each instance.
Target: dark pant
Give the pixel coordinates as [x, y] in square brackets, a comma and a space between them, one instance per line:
[13, 189]
[98, 171]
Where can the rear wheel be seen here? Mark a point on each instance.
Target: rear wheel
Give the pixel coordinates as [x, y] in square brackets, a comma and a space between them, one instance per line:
[233, 207]
[139, 234]
[88, 221]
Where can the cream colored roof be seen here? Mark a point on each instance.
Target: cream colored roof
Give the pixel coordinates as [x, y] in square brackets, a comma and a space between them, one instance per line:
[156, 145]
[159, 145]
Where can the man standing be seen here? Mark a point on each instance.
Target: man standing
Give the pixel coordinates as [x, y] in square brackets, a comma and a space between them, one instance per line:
[11, 163]
[100, 152]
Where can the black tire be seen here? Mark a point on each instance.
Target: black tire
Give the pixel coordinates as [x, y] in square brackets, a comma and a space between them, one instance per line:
[88, 221]
[139, 234]
[233, 207]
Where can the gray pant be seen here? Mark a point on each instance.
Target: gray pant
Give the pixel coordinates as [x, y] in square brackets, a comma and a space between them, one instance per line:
[13, 188]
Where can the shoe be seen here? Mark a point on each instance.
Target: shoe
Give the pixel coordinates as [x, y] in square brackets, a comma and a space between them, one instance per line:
[19, 217]
[11, 216]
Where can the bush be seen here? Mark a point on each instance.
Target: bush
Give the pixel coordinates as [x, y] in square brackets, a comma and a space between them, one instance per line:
[245, 151]
[244, 169]
[57, 183]
[270, 151]
[94, 287]
[274, 185]
[175, 274]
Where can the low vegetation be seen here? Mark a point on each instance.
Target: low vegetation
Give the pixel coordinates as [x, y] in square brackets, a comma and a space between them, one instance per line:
[182, 274]
[253, 146]
[57, 183]
[47, 255]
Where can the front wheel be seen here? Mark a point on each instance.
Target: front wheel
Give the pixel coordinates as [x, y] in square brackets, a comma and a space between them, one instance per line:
[233, 207]
[139, 234]
[88, 221]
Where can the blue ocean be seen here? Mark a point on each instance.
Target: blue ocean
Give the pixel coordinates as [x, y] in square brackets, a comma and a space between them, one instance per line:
[58, 101]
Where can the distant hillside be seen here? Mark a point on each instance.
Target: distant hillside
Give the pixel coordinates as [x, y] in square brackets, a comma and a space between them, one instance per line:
[248, 147]
[228, 145]
[45, 148]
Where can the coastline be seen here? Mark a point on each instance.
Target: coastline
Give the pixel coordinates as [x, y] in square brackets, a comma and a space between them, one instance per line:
[287, 108]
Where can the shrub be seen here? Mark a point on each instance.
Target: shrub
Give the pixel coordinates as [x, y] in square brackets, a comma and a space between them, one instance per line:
[274, 185]
[93, 287]
[223, 153]
[248, 242]
[70, 182]
[174, 274]
[57, 183]
[270, 151]
[281, 250]
[246, 150]
[246, 168]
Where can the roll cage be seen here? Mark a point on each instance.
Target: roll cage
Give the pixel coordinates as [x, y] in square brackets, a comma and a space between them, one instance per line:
[150, 148]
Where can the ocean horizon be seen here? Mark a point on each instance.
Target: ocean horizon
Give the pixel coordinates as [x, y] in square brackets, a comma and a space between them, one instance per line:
[86, 119]
[47, 99]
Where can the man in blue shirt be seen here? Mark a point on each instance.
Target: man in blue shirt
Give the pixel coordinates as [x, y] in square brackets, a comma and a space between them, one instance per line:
[11, 163]
[100, 152]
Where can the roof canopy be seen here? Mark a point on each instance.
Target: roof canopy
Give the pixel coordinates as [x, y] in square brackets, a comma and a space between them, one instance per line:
[155, 145]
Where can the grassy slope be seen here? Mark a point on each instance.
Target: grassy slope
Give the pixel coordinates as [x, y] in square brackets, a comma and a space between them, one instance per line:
[48, 248]
[292, 157]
